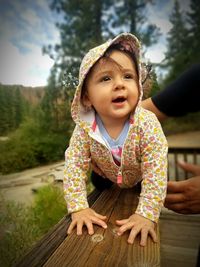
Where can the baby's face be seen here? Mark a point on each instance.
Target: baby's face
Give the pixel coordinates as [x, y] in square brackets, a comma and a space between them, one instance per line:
[112, 87]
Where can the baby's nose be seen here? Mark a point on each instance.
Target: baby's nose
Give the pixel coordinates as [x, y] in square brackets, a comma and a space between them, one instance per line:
[119, 83]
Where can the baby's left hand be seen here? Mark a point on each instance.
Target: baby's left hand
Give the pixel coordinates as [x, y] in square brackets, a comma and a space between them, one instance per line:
[137, 224]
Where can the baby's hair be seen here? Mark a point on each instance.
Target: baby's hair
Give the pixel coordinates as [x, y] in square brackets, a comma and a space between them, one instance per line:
[121, 48]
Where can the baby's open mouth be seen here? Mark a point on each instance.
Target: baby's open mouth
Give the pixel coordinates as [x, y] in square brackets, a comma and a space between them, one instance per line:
[119, 99]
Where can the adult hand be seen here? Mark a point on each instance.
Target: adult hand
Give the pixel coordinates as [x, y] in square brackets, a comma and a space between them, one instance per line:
[137, 224]
[86, 217]
[193, 168]
[184, 196]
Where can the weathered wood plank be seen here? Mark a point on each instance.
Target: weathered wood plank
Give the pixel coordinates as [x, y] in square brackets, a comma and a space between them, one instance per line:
[42, 250]
[105, 248]
[180, 239]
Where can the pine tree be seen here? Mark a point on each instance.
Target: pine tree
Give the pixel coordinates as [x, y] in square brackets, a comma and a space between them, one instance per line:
[131, 17]
[177, 54]
[13, 108]
[194, 32]
[49, 117]
[18, 108]
[3, 112]
[80, 30]
[9, 107]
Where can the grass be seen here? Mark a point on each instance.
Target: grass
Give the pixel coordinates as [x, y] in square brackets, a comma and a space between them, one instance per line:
[22, 226]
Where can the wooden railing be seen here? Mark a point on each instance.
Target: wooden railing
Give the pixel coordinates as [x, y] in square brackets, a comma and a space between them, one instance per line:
[191, 155]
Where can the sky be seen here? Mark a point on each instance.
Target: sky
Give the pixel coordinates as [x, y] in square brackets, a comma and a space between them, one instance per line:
[26, 26]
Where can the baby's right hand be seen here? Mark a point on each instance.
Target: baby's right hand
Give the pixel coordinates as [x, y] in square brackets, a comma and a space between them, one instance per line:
[86, 217]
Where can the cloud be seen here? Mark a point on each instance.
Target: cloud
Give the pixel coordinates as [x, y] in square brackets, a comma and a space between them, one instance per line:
[27, 27]
[156, 53]
[159, 15]
[27, 69]
[29, 23]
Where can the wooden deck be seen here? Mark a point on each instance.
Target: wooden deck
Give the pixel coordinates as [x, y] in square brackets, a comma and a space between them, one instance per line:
[179, 239]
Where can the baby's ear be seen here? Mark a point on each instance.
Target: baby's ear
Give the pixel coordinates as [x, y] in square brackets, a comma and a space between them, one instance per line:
[86, 101]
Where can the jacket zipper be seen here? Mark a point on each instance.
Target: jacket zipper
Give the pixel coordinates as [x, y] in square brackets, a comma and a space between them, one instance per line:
[119, 175]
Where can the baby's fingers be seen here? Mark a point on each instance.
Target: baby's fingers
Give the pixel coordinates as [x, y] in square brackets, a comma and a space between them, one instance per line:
[125, 227]
[79, 228]
[99, 222]
[144, 234]
[121, 222]
[102, 217]
[71, 227]
[153, 235]
[134, 232]
[89, 227]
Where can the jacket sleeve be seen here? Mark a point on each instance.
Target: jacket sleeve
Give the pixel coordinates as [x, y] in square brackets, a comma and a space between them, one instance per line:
[77, 163]
[154, 148]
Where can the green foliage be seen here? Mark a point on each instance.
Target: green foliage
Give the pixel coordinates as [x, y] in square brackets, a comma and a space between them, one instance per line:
[54, 115]
[183, 124]
[21, 226]
[35, 135]
[177, 54]
[155, 87]
[12, 108]
[79, 31]
[17, 232]
[193, 17]
[183, 40]
[49, 207]
[31, 146]
[131, 15]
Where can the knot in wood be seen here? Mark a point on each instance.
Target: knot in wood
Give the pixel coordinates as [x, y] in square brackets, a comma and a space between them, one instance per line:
[97, 238]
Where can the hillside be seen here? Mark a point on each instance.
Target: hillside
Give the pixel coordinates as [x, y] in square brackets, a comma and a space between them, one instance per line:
[31, 94]
[16, 103]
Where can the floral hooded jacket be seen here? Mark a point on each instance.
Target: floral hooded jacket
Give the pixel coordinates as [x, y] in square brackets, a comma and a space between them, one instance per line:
[144, 153]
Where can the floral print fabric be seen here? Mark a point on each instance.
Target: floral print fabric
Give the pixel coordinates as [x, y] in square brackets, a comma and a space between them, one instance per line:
[144, 158]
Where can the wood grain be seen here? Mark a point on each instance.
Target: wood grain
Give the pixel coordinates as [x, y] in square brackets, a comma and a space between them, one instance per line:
[180, 239]
[105, 248]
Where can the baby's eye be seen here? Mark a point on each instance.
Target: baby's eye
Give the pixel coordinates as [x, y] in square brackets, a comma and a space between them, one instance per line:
[105, 79]
[128, 76]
